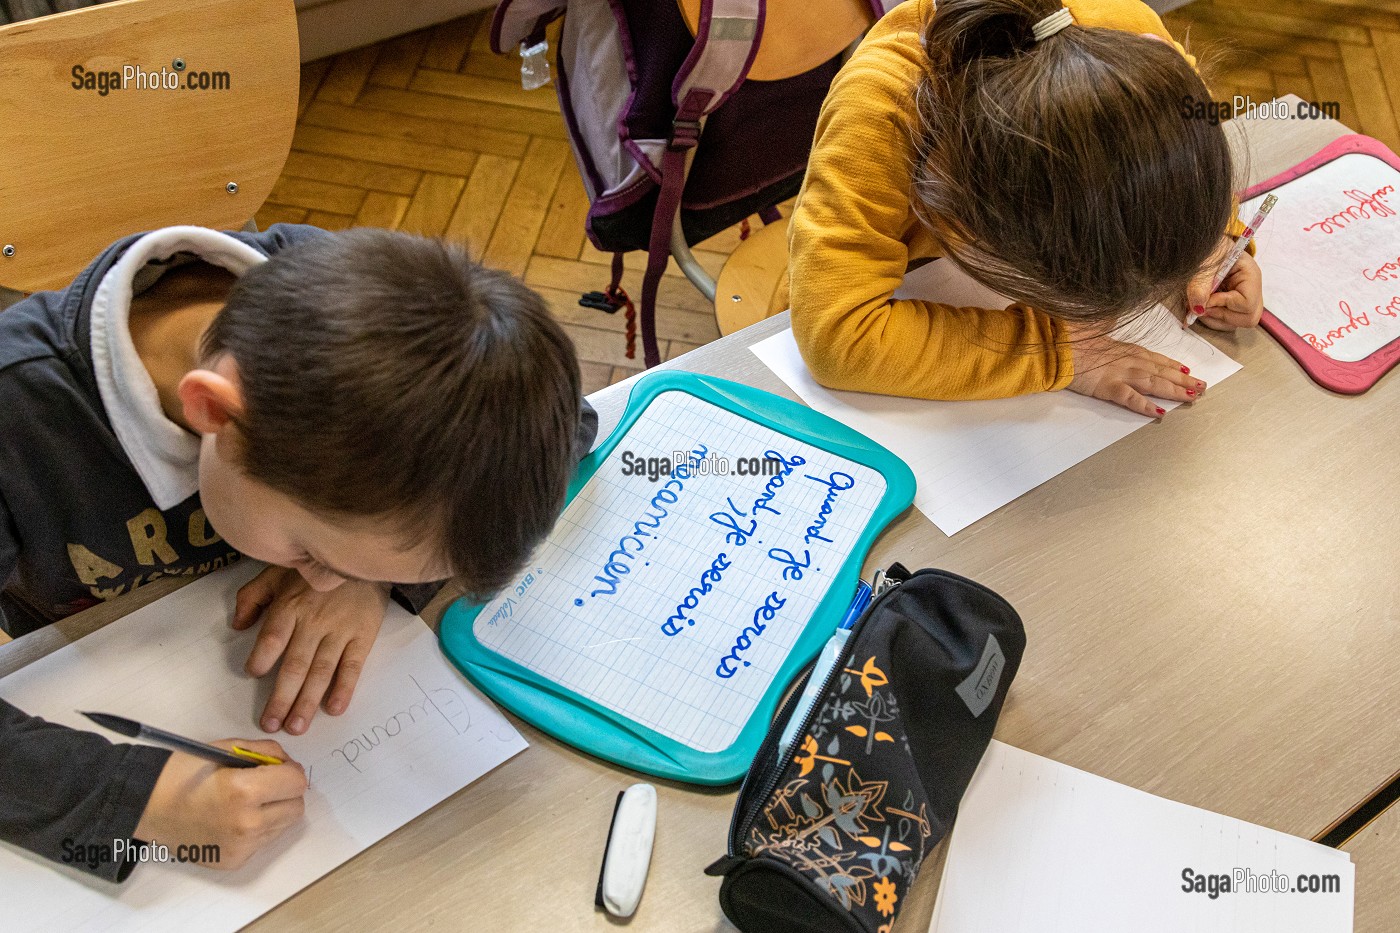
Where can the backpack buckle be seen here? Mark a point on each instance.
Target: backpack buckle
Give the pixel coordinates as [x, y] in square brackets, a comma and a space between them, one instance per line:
[685, 134]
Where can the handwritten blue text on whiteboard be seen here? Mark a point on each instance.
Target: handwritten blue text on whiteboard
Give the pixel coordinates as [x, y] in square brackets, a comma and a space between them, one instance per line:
[673, 601]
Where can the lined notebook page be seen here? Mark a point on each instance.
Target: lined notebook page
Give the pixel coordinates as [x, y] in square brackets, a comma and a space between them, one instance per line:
[674, 602]
[1040, 847]
[973, 457]
[415, 734]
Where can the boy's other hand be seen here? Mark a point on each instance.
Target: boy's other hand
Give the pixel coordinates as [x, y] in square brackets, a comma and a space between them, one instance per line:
[1126, 374]
[196, 802]
[1240, 301]
[322, 638]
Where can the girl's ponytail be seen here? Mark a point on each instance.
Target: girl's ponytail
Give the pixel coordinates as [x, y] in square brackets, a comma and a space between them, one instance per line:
[1066, 172]
[965, 31]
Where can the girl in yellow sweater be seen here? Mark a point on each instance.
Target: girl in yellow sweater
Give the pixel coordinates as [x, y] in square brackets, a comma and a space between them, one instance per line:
[1046, 153]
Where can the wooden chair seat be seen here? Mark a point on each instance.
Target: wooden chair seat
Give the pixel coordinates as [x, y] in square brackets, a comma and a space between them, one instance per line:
[753, 284]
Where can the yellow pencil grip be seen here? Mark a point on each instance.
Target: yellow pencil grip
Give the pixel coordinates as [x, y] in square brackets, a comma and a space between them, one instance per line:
[256, 756]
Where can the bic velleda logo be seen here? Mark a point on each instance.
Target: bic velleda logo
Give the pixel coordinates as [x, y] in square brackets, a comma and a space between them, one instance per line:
[177, 76]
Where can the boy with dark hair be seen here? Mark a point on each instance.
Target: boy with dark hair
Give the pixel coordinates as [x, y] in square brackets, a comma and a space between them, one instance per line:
[359, 410]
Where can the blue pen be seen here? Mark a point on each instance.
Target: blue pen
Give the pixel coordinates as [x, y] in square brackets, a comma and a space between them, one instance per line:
[858, 606]
[826, 661]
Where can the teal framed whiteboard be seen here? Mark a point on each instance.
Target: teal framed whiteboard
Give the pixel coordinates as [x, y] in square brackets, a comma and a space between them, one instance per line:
[709, 547]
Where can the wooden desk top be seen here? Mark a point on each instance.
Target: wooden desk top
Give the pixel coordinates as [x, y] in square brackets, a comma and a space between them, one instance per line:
[1376, 852]
[1211, 607]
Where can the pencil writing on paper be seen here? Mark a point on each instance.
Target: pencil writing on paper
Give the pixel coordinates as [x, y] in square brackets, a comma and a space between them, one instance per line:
[445, 703]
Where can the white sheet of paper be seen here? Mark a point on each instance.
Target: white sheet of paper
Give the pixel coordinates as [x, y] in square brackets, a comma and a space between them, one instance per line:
[1040, 847]
[415, 733]
[1330, 256]
[971, 458]
[644, 602]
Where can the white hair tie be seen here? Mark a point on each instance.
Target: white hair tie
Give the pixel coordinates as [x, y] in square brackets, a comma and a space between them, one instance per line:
[1052, 24]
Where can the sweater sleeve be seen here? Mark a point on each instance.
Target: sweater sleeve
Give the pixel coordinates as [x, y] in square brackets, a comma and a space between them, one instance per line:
[847, 260]
[66, 794]
[9, 558]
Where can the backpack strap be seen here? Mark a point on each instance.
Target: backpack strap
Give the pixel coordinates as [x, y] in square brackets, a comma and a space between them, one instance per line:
[517, 21]
[726, 41]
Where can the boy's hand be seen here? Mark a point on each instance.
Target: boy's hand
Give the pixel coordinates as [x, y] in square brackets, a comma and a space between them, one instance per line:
[196, 802]
[1240, 301]
[1125, 374]
[322, 638]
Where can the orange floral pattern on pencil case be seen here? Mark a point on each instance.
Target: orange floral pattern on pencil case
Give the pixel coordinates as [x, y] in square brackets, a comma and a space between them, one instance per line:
[860, 840]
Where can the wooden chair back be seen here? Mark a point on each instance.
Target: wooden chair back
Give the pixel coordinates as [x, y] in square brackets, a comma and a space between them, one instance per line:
[80, 168]
[799, 35]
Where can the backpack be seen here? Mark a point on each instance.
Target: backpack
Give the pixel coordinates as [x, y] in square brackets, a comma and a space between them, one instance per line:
[637, 90]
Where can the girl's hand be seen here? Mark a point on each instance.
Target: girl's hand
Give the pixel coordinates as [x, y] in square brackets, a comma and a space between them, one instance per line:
[1240, 301]
[196, 802]
[1126, 374]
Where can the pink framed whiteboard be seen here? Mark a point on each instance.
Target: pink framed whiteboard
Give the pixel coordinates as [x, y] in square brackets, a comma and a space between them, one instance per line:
[1330, 254]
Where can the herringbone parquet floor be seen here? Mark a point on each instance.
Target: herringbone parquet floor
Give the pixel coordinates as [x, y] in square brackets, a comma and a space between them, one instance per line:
[430, 132]
[1346, 51]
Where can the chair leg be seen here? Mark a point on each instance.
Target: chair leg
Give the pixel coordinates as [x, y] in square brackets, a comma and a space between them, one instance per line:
[680, 252]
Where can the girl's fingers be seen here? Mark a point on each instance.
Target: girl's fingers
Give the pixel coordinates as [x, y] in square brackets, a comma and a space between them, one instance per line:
[1217, 324]
[1128, 397]
[1174, 372]
[1157, 360]
[1236, 302]
[1229, 317]
[1162, 385]
[1181, 376]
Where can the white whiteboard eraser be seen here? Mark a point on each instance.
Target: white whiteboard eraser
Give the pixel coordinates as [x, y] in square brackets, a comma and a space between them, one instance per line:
[628, 855]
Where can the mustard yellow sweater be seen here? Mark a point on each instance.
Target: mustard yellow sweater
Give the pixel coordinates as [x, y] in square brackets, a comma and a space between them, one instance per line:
[854, 233]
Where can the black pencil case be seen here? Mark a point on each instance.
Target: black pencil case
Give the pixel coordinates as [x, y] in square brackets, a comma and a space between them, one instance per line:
[830, 834]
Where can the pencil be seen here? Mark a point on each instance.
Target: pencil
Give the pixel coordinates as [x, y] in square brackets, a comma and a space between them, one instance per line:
[238, 758]
[1241, 244]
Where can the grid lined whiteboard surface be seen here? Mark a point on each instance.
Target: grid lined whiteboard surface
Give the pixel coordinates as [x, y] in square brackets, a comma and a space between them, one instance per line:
[649, 597]
[1330, 256]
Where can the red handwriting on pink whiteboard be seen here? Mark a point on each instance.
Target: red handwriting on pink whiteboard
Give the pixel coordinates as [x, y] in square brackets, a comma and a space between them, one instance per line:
[1355, 322]
[1388, 272]
[1364, 207]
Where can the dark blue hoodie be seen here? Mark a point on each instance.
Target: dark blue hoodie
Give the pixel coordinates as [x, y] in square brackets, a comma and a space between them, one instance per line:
[78, 526]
